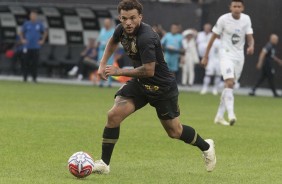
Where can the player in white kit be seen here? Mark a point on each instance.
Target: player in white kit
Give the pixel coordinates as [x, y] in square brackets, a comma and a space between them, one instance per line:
[212, 69]
[232, 28]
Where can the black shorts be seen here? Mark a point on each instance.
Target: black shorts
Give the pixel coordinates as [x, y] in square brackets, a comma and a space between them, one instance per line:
[165, 103]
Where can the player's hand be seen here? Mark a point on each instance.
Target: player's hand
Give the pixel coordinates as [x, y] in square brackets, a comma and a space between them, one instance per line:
[250, 50]
[24, 41]
[111, 70]
[101, 72]
[204, 61]
[41, 42]
[259, 66]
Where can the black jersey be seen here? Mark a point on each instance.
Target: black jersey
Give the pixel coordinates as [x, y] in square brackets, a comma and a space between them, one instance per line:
[144, 47]
[270, 53]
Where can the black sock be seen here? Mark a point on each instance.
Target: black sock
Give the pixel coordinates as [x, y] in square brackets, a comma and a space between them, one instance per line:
[190, 136]
[110, 137]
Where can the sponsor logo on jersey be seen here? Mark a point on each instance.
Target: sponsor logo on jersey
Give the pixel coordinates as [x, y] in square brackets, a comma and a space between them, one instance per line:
[235, 39]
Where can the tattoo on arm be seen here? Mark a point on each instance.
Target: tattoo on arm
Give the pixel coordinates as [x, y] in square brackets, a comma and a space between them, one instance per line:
[139, 72]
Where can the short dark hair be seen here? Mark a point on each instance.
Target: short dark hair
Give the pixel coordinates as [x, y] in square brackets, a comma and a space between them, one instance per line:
[130, 5]
[33, 11]
[239, 1]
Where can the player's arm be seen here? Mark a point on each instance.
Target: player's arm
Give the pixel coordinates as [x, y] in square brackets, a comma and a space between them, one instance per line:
[21, 35]
[44, 34]
[109, 50]
[204, 61]
[278, 60]
[144, 71]
[251, 43]
[261, 58]
[44, 37]
[22, 39]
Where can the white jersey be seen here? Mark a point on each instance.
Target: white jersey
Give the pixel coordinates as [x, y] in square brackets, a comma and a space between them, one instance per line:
[202, 42]
[213, 67]
[214, 52]
[233, 34]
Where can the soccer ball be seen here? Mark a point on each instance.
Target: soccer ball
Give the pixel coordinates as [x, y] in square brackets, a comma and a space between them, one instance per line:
[80, 164]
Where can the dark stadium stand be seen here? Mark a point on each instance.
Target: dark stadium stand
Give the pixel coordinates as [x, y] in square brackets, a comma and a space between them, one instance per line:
[69, 29]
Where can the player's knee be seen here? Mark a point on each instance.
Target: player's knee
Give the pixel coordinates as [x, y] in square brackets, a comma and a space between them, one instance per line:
[114, 119]
[229, 83]
[174, 134]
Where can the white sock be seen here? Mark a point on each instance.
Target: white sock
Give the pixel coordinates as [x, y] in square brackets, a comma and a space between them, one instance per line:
[207, 80]
[221, 108]
[229, 101]
[217, 80]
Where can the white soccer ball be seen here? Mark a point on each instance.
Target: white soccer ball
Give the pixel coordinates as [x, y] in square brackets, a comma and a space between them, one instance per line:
[80, 164]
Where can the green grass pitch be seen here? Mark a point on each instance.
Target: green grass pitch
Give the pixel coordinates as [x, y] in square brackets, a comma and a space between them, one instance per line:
[42, 125]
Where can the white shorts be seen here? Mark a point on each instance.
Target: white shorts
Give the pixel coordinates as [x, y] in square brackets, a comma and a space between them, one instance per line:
[213, 68]
[231, 68]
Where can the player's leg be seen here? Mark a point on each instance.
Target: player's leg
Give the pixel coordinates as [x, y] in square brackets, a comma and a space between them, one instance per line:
[75, 68]
[187, 134]
[206, 83]
[258, 83]
[168, 112]
[81, 69]
[219, 118]
[207, 78]
[121, 109]
[217, 78]
[34, 64]
[191, 71]
[176, 130]
[270, 77]
[236, 66]
[25, 64]
[227, 98]
[128, 99]
[184, 72]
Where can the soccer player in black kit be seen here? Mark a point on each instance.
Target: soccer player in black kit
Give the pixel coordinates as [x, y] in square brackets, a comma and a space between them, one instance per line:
[265, 63]
[152, 83]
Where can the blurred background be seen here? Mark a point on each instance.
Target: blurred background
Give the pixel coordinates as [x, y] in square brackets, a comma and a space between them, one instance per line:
[70, 24]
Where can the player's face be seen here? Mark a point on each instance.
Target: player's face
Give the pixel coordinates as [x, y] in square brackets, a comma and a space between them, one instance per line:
[107, 23]
[207, 28]
[274, 39]
[236, 9]
[33, 16]
[130, 20]
[174, 29]
[91, 42]
[189, 37]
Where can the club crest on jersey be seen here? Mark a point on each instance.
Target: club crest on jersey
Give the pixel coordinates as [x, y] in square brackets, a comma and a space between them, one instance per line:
[133, 46]
[235, 39]
[129, 44]
[37, 27]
